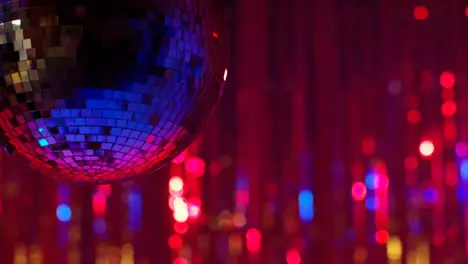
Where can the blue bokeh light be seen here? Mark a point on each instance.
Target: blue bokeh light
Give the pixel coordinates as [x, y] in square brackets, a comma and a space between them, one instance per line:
[372, 203]
[63, 213]
[430, 195]
[134, 209]
[306, 205]
[464, 170]
[371, 180]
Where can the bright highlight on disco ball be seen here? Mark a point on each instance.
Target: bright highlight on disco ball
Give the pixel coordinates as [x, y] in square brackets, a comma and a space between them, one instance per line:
[97, 92]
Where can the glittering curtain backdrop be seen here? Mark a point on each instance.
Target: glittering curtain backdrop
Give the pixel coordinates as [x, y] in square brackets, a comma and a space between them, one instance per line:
[351, 130]
[341, 138]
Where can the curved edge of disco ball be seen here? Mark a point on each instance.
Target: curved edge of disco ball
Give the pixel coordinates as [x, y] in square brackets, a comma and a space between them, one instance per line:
[55, 174]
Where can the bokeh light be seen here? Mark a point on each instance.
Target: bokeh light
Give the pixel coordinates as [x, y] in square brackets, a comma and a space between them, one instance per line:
[447, 79]
[420, 13]
[449, 108]
[176, 184]
[180, 260]
[359, 191]
[464, 170]
[181, 215]
[372, 203]
[254, 240]
[195, 166]
[426, 148]
[431, 195]
[194, 211]
[293, 256]
[394, 248]
[381, 236]
[175, 242]
[99, 204]
[306, 205]
[63, 213]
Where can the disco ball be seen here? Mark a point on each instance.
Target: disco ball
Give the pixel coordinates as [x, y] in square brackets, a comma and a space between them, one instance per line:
[101, 91]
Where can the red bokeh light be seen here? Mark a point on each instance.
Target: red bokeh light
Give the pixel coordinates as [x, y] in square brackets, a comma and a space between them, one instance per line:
[175, 242]
[195, 166]
[99, 204]
[426, 148]
[254, 240]
[380, 168]
[382, 182]
[449, 108]
[242, 197]
[180, 260]
[293, 256]
[381, 236]
[180, 228]
[359, 191]
[414, 117]
[105, 189]
[420, 13]
[447, 80]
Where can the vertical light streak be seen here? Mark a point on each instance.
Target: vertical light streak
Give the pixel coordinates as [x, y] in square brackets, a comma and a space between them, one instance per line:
[64, 215]
[359, 209]
[381, 192]
[437, 174]
[176, 170]
[134, 201]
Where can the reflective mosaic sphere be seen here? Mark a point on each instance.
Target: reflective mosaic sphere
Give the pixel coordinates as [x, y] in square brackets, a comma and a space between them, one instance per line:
[100, 91]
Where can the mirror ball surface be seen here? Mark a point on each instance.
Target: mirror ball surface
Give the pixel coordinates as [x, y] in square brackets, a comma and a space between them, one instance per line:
[99, 91]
